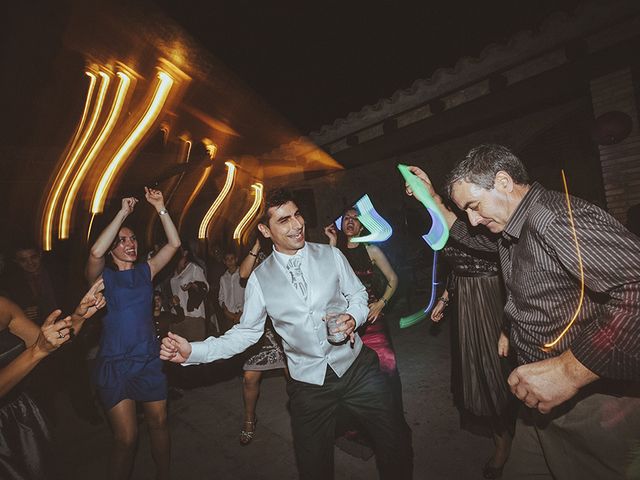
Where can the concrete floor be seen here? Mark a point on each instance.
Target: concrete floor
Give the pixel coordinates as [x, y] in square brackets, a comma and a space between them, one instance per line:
[205, 424]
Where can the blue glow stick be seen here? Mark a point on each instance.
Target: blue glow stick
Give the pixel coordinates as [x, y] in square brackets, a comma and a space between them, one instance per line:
[436, 238]
[372, 221]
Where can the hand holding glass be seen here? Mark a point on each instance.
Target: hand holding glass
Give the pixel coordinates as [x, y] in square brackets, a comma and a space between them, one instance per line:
[334, 336]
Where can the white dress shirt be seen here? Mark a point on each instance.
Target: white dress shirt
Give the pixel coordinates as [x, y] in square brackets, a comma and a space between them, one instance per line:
[231, 292]
[191, 273]
[332, 285]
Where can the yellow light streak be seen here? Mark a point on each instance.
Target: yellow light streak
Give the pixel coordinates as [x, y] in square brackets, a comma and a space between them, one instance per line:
[68, 164]
[114, 114]
[257, 201]
[228, 184]
[187, 149]
[199, 185]
[575, 239]
[93, 216]
[155, 107]
[194, 194]
[188, 144]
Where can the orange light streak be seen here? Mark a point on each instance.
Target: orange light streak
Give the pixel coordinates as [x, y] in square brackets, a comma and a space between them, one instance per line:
[187, 149]
[68, 164]
[257, 201]
[93, 216]
[575, 239]
[194, 194]
[155, 107]
[114, 114]
[228, 184]
[212, 149]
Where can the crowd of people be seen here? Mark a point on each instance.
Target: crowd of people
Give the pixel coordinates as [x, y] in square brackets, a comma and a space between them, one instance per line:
[521, 267]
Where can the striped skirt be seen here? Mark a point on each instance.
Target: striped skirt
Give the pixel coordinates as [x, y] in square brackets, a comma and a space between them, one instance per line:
[478, 374]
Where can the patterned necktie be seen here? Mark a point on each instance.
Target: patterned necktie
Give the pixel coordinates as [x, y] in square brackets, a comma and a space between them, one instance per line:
[297, 278]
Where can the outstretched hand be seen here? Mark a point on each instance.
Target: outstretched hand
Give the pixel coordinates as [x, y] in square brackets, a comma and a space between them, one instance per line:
[92, 301]
[175, 348]
[154, 197]
[53, 334]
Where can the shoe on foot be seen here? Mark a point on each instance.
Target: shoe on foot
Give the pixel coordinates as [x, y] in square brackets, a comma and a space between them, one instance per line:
[491, 472]
[246, 434]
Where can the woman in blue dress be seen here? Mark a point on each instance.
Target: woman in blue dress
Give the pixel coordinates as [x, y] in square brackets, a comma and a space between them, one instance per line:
[128, 367]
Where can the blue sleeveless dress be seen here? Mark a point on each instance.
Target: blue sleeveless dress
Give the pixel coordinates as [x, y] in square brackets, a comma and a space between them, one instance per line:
[128, 365]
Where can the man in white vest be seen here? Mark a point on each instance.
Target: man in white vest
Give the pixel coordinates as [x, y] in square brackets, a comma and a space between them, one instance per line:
[297, 286]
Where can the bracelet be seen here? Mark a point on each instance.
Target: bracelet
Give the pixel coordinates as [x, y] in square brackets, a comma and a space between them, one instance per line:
[384, 300]
[444, 300]
[164, 211]
[253, 254]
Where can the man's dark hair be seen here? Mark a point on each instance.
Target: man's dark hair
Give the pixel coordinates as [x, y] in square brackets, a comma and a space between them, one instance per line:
[481, 165]
[275, 198]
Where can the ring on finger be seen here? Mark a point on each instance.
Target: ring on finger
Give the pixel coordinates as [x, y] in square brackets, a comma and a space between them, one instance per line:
[60, 334]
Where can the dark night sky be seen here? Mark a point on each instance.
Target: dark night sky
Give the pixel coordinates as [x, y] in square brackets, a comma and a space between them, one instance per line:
[315, 62]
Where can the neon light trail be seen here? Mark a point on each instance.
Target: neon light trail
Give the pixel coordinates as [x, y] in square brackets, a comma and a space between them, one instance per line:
[439, 232]
[65, 171]
[436, 238]
[114, 115]
[163, 87]
[372, 221]
[249, 216]
[575, 239]
[226, 188]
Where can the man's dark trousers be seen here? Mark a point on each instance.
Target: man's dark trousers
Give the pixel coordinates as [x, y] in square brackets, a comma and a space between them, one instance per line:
[365, 392]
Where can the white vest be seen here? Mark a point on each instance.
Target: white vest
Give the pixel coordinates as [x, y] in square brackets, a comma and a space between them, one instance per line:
[299, 323]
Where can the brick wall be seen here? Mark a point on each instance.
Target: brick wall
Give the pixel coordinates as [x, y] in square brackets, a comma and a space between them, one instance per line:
[621, 161]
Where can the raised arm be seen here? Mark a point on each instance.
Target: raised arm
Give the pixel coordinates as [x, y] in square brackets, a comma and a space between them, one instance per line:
[95, 263]
[458, 229]
[378, 258]
[249, 262]
[158, 261]
[448, 215]
[332, 234]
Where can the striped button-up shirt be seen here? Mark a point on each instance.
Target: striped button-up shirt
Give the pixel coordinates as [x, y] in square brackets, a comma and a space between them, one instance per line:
[541, 269]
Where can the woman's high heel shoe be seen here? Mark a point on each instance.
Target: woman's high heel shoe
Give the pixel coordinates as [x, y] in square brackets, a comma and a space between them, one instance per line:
[246, 434]
[491, 472]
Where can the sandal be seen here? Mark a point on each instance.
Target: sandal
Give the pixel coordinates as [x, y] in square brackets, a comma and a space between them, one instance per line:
[247, 435]
[491, 472]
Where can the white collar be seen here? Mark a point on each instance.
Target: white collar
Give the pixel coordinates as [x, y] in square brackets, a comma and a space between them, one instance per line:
[283, 258]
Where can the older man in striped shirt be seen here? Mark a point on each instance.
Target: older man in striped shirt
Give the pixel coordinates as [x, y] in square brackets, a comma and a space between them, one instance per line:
[572, 277]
